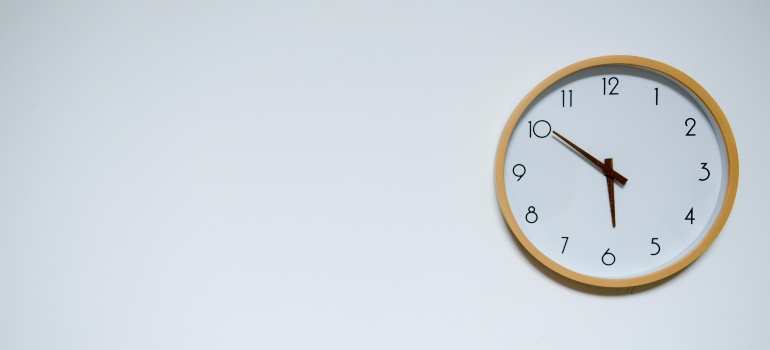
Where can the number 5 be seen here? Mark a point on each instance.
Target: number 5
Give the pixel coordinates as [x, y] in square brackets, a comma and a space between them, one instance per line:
[653, 242]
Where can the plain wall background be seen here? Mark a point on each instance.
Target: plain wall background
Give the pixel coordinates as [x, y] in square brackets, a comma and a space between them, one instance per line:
[301, 175]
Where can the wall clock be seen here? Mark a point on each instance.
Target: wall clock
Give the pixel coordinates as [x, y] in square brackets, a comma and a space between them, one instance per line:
[616, 171]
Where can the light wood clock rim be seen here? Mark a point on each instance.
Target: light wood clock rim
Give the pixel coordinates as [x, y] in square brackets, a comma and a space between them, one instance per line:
[673, 73]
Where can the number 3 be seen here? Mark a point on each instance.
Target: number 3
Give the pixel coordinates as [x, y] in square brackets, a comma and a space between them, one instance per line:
[708, 173]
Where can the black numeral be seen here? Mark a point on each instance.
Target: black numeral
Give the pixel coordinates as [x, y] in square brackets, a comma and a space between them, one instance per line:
[708, 173]
[523, 171]
[533, 129]
[608, 82]
[531, 219]
[656, 96]
[653, 242]
[565, 244]
[689, 216]
[563, 98]
[606, 256]
[686, 123]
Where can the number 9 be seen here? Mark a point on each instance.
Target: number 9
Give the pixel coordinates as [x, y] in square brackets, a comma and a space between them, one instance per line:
[523, 171]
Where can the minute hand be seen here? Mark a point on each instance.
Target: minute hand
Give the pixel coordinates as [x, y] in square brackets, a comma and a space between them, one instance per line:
[607, 170]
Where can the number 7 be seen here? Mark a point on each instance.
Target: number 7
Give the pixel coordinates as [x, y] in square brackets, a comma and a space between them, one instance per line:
[565, 244]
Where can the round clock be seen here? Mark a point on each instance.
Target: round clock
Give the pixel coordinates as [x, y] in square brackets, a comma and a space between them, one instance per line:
[616, 171]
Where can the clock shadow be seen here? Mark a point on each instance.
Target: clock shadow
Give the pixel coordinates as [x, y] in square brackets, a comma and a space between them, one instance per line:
[582, 287]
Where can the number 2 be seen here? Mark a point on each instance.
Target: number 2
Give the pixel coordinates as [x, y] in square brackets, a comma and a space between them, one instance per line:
[691, 127]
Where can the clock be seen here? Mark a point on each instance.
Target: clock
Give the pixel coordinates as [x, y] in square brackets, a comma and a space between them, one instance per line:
[616, 171]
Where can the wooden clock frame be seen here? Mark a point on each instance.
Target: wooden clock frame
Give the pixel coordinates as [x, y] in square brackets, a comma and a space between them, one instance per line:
[673, 73]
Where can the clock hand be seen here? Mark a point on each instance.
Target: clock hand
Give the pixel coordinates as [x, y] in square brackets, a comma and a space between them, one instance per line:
[607, 170]
[610, 189]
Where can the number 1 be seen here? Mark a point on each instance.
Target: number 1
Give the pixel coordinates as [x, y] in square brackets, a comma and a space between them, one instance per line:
[563, 102]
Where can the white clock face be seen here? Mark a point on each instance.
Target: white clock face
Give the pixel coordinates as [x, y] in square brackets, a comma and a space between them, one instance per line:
[658, 135]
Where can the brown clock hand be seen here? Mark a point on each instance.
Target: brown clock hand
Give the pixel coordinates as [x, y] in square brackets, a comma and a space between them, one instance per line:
[607, 170]
[611, 189]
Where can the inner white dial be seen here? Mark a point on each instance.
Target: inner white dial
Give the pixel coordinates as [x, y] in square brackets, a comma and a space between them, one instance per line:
[658, 136]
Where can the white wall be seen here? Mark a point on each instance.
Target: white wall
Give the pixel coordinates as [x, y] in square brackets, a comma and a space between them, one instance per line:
[302, 175]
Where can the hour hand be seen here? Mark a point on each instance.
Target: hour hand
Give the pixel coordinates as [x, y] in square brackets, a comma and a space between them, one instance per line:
[606, 169]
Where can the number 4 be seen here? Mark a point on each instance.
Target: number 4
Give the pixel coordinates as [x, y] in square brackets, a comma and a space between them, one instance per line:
[689, 216]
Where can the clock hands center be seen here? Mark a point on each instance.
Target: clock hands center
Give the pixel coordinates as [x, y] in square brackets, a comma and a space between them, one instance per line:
[608, 171]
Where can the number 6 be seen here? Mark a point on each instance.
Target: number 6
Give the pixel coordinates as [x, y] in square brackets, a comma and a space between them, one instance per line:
[606, 254]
